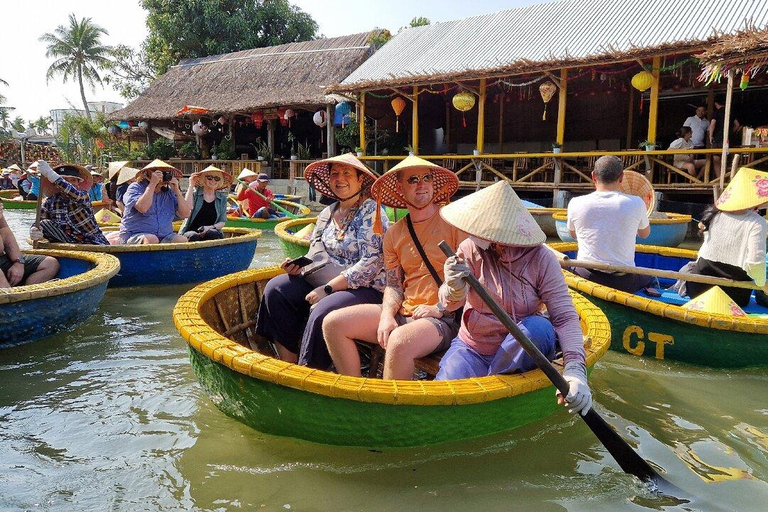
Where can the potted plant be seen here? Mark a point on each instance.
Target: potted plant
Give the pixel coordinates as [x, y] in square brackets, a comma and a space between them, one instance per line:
[262, 150]
[410, 149]
[648, 145]
[303, 152]
[557, 147]
[476, 152]
[359, 151]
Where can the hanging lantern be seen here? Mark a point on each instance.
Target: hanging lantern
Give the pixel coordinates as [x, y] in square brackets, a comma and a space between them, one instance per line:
[144, 125]
[289, 113]
[642, 81]
[281, 116]
[124, 125]
[398, 105]
[222, 120]
[114, 130]
[319, 119]
[463, 102]
[199, 128]
[258, 119]
[744, 81]
[547, 90]
[342, 113]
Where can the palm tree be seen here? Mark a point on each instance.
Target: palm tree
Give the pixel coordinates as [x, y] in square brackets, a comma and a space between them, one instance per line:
[18, 124]
[78, 52]
[42, 124]
[2, 98]
[5, 117]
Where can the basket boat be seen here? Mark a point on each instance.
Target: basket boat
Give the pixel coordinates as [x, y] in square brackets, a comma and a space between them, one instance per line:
[544, 218]
[662, 329]
[217, 319]
[298, 210]
[294, 198]
[292, 245]
[6, 197]
[177, 263]
[28, 313]
[668, 232]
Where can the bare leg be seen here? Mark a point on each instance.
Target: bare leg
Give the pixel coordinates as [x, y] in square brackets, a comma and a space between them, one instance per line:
[46, 271]
[179, 239]
[149, 239]
[406, 343]
[286, 355]
[342, 327]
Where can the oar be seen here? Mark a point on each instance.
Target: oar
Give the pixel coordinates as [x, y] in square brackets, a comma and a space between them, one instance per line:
[273, 203]
[566, 262]
[625, 456]
[39, 207]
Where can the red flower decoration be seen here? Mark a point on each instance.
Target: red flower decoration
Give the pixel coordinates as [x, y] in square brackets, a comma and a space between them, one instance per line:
[762, 187]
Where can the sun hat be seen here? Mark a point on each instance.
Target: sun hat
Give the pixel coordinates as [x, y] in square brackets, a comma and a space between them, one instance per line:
[263, 177]
[495, 214]
[748, 189]
[114, 168]
[635, 184]
[32, 169]
[715, 300]
[318, 173]
[73, 170]
[226, 178]
[385, 189]
[245, 173]
[15, 167]
[159, 165]
[126, 175]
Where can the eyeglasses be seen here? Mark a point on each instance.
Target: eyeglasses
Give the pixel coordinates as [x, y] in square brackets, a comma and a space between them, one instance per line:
[214, 178]
[413, 180]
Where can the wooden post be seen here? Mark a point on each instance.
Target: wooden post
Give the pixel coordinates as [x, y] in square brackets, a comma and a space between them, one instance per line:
[630, 116]
[232, 132]
[726, 129]
[415, 121]
[501, 124]
[481, 117]
[448, 137]
[329, 131]
[271, 136]
[561, 103]
[361, 121]
[653, 110]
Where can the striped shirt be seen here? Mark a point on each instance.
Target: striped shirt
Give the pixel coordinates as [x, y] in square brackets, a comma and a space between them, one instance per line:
[71, 210]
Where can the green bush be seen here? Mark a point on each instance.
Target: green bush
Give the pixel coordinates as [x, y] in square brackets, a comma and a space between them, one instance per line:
[161, 148]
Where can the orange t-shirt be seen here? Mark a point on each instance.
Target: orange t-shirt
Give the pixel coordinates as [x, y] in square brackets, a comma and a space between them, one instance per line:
[399, 250]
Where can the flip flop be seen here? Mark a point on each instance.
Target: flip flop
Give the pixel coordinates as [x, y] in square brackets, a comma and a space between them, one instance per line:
[652, 292]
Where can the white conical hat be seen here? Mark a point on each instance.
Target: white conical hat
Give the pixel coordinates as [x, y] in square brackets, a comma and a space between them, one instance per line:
[114, 167]
[715, 300]
[495, 214]
[245, 173]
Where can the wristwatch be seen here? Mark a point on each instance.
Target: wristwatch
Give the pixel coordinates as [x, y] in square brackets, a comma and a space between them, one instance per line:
[440, 308]
[20, 259]
[328, 289]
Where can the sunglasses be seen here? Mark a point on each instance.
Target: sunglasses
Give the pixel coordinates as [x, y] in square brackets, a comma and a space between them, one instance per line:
[214, 178]
[413, 180]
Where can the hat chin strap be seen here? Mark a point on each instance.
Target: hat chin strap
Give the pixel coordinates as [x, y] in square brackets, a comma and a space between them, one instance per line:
[350, 197]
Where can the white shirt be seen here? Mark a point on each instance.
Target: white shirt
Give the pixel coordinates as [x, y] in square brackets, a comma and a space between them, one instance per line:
[737, 239]
[699, 127]
[681, 143]
[606, 224]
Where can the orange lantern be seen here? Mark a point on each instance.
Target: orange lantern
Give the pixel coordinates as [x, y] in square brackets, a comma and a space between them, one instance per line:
[463, 102]
[398, 105]
[547, 90]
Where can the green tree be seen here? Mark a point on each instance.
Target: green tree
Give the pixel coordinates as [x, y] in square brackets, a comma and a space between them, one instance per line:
[78, 52]
[130, 71]
[5, 117]
[181, 29]
[42, 124]
[3, 98]
[419, 21]
[18, 124]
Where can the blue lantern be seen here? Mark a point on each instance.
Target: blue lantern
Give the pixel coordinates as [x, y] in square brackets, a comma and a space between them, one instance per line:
[124, 125]
[342, 116]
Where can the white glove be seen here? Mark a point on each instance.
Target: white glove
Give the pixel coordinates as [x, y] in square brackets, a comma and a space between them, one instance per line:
[35, 234]
[579, 397]
[45, 169]
[455, 271]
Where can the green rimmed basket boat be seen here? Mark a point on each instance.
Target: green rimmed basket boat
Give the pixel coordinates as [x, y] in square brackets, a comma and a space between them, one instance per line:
[651, 328]
[293, 246]
[6, 197]
[217, 320]
[299, 210]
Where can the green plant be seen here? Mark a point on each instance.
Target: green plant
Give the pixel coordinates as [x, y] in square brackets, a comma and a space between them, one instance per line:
[189, 150]
[358, 149]
[224, 150]
[556, 145]
[303, 152]
[161, 148]
[646, 143]
[410, 149]
[262, 149]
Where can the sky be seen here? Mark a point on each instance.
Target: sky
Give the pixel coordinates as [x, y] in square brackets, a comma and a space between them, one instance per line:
[23, 63]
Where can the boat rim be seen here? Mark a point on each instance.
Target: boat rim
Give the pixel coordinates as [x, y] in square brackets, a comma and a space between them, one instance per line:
[303, 211]
[281, 230]
[672, 218]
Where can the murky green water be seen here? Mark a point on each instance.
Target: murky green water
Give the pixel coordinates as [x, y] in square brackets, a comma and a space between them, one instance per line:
[110, 417]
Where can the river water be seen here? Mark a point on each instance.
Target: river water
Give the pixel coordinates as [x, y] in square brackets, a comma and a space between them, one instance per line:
[109, 416]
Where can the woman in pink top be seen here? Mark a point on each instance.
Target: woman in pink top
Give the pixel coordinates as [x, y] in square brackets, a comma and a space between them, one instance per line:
[506, 252]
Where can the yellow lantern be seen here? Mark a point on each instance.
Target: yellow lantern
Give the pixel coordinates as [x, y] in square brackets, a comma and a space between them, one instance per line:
[547, 90]
[463, 102]
[642, 81]
[398, 105]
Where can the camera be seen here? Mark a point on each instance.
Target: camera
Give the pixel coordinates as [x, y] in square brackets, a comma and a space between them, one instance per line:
[167, 176]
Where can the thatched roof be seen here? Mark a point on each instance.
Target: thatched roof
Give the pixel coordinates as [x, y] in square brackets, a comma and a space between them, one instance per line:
[547, 36]
[288, 75]
[744, 47]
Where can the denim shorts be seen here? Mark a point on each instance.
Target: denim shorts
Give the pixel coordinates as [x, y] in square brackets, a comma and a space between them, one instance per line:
[137, 239]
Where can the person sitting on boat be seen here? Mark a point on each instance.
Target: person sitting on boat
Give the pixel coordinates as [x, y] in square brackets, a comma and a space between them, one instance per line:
[688, 163]
[207, 199]
[96, 192]
[5, 180]
[506, 252]
[125, 177]
[604, 223]
[347, 265]
[257, 197]
[151, 204]
[734, 236]
[18, 270]
[33, 176]
[411, 323]
[66, 214]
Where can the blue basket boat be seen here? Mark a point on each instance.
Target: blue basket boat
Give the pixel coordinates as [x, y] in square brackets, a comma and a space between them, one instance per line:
[28, 313]
[665, 232]
[177, 263]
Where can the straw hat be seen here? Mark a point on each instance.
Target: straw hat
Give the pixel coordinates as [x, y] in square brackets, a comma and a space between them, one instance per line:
[748, 189]
[318, 174]
[115, 167]
[126, 175]
[635, 184]
[69, 170]
[225, 182]
[15, 167]
[159, 165]
[715, 300]
[385, 189]
[495, 214]
[32, 169]
[245, 173]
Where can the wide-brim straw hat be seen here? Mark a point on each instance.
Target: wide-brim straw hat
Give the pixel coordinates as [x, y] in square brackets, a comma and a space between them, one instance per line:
[318, 173]
[15, 167]
[386, 192]
[635, 184]
[226, 178]
[716, 301]
[159, 165]
[127, 174]
[495, 214]
[245, 173]
[747, 190]
[32, 168]
[115, 167]
[49, 188]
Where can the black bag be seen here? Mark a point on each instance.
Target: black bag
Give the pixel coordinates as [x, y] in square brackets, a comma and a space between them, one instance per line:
[323, 268]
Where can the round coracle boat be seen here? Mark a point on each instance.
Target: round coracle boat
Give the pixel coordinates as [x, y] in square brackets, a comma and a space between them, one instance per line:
[175, 263]
[230, 361]
[28, 313]
[294, 245]
[667, 231]
[544, 217]
[298, 210]
[294, 198]
[7, 197]
[661, 328]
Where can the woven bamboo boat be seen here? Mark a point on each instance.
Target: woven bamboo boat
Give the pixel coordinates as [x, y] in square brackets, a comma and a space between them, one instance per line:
[668, 232]
[6, 197]
[177, 263]
[299, 210]
[294, 198]
[544, 218]
[217, 319]
[28, 313]
[293, 246]
[662, 329]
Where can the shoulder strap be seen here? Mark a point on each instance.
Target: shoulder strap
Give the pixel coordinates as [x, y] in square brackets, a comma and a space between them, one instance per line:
[419, 248]
[322, 221]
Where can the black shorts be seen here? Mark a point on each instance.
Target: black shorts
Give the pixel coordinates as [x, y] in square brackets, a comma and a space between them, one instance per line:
[31, 264]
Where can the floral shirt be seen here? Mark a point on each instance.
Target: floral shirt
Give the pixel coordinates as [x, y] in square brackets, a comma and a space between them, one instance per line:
[71, 210]
[359, 250]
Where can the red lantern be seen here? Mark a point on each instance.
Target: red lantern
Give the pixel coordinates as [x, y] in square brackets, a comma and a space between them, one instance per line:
[281, 116]
[258, 118]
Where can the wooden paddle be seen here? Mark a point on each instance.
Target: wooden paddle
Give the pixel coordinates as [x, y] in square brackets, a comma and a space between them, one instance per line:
[566, 261]
[270, 201]
[625, 456]
[39, 207]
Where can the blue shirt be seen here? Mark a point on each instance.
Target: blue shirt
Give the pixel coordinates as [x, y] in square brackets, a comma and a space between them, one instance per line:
[94, 193]
[120, 192]
[157, 221]
[35, 180]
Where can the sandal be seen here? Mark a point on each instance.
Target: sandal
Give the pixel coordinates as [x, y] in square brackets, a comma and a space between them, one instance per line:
[652, 292]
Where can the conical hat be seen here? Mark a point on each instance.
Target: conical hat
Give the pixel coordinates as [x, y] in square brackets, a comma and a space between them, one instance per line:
[495, 214]
[127, 174]
[224, 183]
[635, 184]
[318, 173]
[15, 167]
[385, 189]
[245, 173]
[114, 168]
[716, 301]
[748, 189]
[159, 165]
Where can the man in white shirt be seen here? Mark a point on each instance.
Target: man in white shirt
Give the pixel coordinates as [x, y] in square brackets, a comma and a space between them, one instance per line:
[699, 125]
[605, 223]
